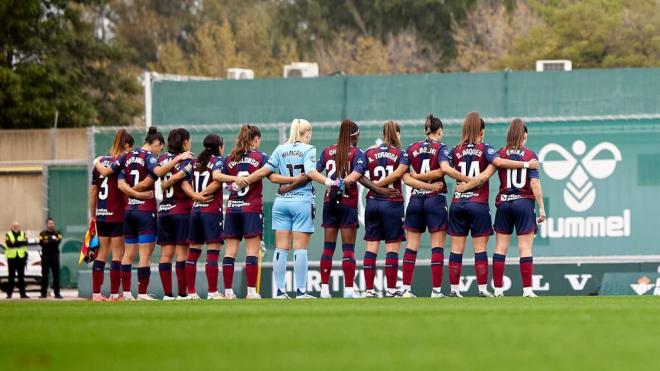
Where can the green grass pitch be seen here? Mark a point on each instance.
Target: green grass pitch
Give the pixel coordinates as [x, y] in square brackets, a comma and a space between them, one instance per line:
[547, 333]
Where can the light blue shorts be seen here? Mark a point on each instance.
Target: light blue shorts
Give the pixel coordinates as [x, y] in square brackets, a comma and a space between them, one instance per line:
[294, 216]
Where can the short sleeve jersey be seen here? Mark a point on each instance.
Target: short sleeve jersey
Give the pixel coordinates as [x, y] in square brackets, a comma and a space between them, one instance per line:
[250, 198]
[424, 156]
[293, 159]
[471, 160]
[382, 161]
[327, 162]
[200, 179]
[515, 183]
[138, 166]
[110, 201]
[175, 201]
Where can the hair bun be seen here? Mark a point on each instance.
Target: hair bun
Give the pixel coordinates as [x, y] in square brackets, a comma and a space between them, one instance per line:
[152, 130]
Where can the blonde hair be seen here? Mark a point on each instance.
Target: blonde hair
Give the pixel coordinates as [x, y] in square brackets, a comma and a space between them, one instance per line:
[299, 127]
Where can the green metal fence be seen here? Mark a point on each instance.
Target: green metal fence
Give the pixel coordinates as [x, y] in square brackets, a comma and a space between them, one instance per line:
[408, 97]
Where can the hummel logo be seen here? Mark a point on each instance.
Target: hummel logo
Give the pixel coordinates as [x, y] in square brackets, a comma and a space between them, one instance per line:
[580, 193]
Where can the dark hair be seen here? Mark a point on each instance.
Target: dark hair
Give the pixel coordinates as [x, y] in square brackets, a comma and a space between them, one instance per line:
[175, 140]
[50, 219]
[153, 135]
[122, 138]
[211, 144]
[390, 131]
[516, 134]
[432, 124]
[347, 131]
[472, 127]
[243, 141]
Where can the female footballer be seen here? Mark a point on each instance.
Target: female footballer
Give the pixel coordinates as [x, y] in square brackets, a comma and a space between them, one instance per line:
[469, 211]
[206, 217]
[383, 217]
[244, 213]
[106, 206]
[174, 214]
[293, 211]
[519, 188]
[425, 159]
[342, 160]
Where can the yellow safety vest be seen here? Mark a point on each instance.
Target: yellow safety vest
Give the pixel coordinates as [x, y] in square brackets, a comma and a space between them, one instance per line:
[12, 252]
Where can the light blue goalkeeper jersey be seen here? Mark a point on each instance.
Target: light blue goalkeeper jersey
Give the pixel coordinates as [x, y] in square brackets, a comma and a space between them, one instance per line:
[293, 159]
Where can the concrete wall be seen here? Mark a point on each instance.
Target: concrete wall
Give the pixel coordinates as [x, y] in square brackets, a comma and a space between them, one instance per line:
[38, 144]
[21, 201]
[21, 185]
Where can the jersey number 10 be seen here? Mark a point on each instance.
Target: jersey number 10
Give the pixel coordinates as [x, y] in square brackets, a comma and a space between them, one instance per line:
[515, 179]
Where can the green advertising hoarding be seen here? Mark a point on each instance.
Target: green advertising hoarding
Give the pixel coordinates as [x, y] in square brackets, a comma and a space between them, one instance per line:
[551, 277]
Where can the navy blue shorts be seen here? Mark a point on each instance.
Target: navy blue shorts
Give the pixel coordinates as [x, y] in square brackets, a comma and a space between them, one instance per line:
[139, 227]
[426, 212]
[383, 221]
[106, 229]
[205, 228]
[519, 214]
[239, 225]
[339, 216]
[173, 229]
[469, 217]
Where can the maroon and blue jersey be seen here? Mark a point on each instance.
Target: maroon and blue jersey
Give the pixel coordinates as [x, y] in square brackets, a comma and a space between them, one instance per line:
[327, 162]
[471, 160]
[424, 156]
[515, 183]
[200, 179]
[382, 160]
[138, 165]
[175, 201]
[110, 201]
[250, 198]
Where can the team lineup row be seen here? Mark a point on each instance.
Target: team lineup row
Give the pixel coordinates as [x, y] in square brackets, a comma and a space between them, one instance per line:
[130, 222]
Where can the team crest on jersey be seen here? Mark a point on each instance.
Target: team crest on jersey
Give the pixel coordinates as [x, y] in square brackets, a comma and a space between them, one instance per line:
[579, 192]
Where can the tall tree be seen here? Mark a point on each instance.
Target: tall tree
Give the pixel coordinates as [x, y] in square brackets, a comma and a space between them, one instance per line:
[314, 21]
[54, 63]
[591, 33]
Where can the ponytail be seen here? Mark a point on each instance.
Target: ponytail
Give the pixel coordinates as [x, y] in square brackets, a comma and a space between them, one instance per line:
[243, 141]
[516, 134]
[432, 124]
[122, 138]
[472, 127]
[212, 143]
[299, 127]
[347, 130]
[391, 132]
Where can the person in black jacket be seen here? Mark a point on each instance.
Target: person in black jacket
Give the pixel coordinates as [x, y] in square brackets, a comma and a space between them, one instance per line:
[50, 240]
